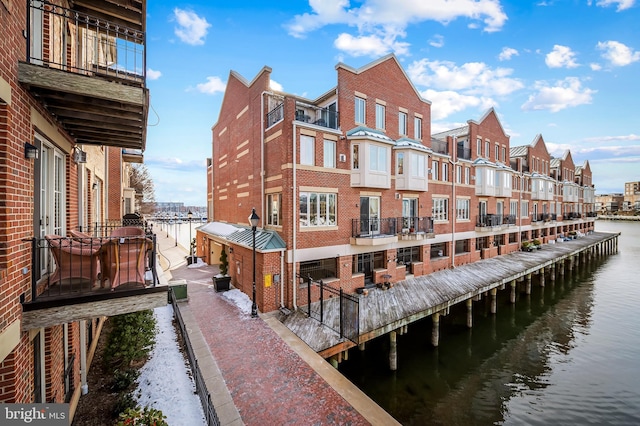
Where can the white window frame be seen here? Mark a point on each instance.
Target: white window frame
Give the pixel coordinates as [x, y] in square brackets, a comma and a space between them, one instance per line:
[329, 154]
[440, 209]
[318, 215]
[417, 128]
[434, 169]
[274, 209]
[378, 158]
[462, 208]
[307, 150]
[380, 116]
[402, 123]
[360, 110]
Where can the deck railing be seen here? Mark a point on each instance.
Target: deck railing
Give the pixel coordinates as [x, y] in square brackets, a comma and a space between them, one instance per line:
[489, 220]
[373, 228]
[411, 225]
[73, 41]
[201, 388]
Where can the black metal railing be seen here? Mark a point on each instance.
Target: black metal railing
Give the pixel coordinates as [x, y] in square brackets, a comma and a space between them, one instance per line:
[464, 153]
[79, 264]
[440, 147]
[104, 229]
[275, 115]
[95, 47]
[323, 117]
[509, 219]
[373, 228]
[341, 313]
[201, 387]
[484, 220]
[573, 215]
[412, 225]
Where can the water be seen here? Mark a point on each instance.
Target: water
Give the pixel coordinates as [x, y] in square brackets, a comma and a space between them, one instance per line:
[567, 354]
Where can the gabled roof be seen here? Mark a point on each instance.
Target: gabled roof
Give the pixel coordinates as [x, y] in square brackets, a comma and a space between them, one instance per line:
[459, 131]
[266, 240]
[518, 151]
[484, 117]
[365, 132]
[554, 163]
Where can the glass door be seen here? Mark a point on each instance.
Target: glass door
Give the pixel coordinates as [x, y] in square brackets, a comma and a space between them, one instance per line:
[369, 215]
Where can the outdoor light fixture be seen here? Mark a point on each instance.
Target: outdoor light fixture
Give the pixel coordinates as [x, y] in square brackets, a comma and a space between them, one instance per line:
[175, 226]
[189, 216]
[30, 151]
[253, 221]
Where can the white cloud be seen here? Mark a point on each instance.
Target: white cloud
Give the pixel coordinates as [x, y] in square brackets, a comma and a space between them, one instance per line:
[622, 4]
[595, 67]
[474, 78]
[371, 45]
[445, 103]
[191, 29]
[507, 53]
[212, 86]
[381, 20]
[437, 41]
[153, 74]
[561, 57]
[564, 94]
[274, 85]
[617, 53]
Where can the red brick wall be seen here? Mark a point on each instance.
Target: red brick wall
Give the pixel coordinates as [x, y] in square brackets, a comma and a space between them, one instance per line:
[114, 183]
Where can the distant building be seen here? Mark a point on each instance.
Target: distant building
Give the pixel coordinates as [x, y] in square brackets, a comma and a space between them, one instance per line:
[632, 196]
[609, 203]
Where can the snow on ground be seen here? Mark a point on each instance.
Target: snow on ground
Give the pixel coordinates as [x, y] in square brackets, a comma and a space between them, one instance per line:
[165, 381]
[240, 299]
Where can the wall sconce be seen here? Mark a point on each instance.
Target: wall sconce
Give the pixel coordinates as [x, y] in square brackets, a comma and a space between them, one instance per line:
[30, 151]
[94, 186]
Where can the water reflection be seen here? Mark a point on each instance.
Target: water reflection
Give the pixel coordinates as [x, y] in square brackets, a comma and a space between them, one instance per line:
[524, 365]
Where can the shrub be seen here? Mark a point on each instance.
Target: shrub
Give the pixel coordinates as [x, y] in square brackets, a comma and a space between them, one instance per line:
[123, 379]
[148, 416]
[124, 403]
[224, 263]
[536, 242]
[132, 337]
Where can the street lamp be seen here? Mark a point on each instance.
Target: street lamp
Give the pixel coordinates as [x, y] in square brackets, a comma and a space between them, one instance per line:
[253, 221]
[175, 227]
[189, 216]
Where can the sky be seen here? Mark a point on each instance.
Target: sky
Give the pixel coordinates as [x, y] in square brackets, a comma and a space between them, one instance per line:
[565, 69]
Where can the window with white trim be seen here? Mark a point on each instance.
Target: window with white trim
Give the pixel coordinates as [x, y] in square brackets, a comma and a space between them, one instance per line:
[458, 174]
[400, 163]
[402, 123]
[467, 172]
[418, 162]
[317, 209]
[330, 154]
[440, 209]
[355, 157]
[360, 110]
[274, 209]
[479, 147]
[524, 208]
[513, 208]
[434, 170]
[307, 150]
[417, 128]
[462, 208]
[445, 172]
[487, 149]
[380, 116]
[378, 158]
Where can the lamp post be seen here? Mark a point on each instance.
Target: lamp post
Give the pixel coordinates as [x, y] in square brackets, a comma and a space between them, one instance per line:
[253, 221]
[175, 227]
[190, 216]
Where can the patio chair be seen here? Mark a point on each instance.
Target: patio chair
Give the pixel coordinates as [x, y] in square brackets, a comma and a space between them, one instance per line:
[73, 259]
[123, 260]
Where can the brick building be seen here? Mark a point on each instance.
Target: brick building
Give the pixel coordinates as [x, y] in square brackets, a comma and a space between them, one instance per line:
[358, 191]
[73, 118]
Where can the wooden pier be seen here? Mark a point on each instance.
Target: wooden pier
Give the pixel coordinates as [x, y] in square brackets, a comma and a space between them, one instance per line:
[392, 311]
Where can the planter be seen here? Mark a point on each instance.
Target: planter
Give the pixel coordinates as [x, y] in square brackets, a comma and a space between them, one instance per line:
[192, 260]
[221, 283]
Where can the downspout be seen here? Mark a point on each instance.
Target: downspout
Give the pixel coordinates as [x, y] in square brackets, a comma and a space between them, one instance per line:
[454, 207]
[293, 216]
[83, 357]
[282, 253]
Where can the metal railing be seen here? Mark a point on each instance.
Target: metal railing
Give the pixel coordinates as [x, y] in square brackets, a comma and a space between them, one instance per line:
[275, 115]
[483, 220]
[73, 41]
[104, 229]
[440, 147]
[373, 228]
[201, 388]
[73, 266]
[341, 314]
[464, 153]
[323, 117]
[415, 224]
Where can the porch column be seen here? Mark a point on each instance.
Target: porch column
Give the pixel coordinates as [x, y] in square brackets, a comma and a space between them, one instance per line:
[435, 331]
[552, 273]
[528, 284]
[494, 303]
[469, 313]
[512, 298]
[542, 277]
[393, 351]
[83, 357]
[361, 347]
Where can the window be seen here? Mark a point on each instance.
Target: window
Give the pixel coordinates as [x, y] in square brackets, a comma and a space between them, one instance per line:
[434, 170]
[274, 209]
[482, 243]
[317, 209]
[462, 208]
[400, 163]
[380, 112]
[417, 165]
[466, 175]
[524, 209]
[462, 246]
[360, 110]
[497, 152]
[307, 150]
[504, 154]
[440, 209]
[407, 255]
[329, 154]
[487, 149]
[458, 174]
[378, 158]
[445, 172]
[318, 269]
[479, 147]
[355, 157]
[417, 128]
[402, 123]
[513, 208]
[438, 250]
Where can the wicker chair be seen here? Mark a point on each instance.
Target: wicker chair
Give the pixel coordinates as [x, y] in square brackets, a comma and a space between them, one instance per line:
[73, 259]
[123, 260]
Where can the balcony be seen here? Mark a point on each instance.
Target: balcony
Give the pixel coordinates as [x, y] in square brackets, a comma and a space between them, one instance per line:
[487, 222]
[373, 232]
[439, 147]
[87, 66]
[323, 117]
[415, 228]
[82, 276]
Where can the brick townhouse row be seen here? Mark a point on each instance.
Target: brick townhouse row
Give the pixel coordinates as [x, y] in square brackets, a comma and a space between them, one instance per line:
[72, 121]
[353, 189]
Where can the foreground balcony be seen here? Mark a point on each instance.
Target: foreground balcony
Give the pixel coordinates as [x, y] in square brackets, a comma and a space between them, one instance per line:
[489, 222]
[373, 232]
[81, 276]
[87, 67]
[415, 228]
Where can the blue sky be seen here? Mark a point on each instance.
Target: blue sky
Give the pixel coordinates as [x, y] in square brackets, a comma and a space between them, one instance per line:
[566, 69]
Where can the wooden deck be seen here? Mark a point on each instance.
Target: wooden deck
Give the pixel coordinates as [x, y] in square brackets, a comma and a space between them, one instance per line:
[382, 311]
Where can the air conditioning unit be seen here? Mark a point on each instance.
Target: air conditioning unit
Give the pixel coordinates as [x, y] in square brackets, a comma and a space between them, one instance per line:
[342, 158]
[80, 156]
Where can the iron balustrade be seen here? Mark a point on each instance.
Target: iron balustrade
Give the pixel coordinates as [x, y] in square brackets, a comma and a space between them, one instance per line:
[414, 224]
[70, 267]
[201, 388]
[373, 228]
[464, 153]
[440, 147]
[86, 44]
[484, 220]
[324, 117]
[275, 115]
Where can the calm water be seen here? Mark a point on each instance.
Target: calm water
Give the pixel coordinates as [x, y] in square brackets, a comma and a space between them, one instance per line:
[568, 354]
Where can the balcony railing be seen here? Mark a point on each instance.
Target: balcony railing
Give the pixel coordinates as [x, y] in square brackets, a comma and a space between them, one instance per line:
[73, 41]
[275, 115]
[323, 117]
[82, 265]
[484, 220]
[373, 228]
[413, 225]
[509, 219]
[439, 146]
[464, 153]
[573, 215]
